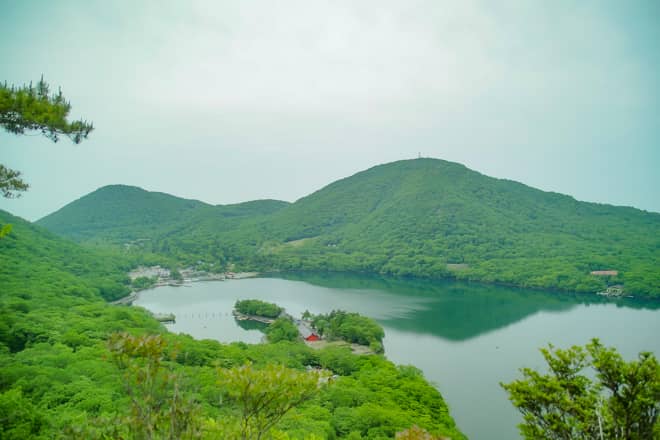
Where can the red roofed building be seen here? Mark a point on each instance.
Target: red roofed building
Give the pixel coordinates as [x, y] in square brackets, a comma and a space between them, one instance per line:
[307, 333]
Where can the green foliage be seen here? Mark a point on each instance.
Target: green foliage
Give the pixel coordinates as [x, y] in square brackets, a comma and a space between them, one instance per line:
[19, 418]
[339, 360]
[141, 283]
[633, 389]
[423, 218]
[27, 108]
[65, 268]
[378, 400]
[11, 184]
[265, 395]
[623, 403]
[159, 408]
[351, 327]
[283, 329]
[257, 307]
[5, 229]
[30, 108]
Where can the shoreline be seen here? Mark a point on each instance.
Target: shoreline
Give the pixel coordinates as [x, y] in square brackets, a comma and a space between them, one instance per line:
[135, 295]
[597, 296]
[639, 299]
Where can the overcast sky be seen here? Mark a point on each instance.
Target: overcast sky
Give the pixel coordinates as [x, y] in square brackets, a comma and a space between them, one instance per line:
[231, 101]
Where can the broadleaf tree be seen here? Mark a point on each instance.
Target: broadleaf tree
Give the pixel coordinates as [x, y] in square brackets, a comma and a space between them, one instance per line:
[265, 395]
[160, 406]
[622, 402]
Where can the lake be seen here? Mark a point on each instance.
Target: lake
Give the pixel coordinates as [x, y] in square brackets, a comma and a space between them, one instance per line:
[466, 338]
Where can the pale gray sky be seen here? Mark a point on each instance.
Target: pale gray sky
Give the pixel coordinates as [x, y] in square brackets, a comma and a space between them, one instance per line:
[231, 101]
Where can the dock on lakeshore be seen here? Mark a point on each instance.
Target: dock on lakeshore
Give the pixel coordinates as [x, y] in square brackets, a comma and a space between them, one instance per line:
[243, 317]
[164, 317]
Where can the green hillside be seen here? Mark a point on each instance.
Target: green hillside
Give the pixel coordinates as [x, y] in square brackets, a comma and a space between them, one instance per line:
[61, 375]
[64, 267]
[124, 212]
[427, 218]
[121, 213]
[434, 218]
[187, 230]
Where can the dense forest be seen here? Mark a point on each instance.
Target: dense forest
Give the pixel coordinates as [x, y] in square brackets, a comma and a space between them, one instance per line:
[424, 218]
[74, 366]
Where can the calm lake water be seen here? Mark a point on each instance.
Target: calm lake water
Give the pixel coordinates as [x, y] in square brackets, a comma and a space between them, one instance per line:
[465, 338]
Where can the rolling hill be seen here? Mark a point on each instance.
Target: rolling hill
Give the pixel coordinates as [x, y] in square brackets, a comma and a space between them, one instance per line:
[121, 213]
[422, 217]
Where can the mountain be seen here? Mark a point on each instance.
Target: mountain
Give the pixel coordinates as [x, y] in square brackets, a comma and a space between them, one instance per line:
[123, 213]
[123, 210]
[422, 217]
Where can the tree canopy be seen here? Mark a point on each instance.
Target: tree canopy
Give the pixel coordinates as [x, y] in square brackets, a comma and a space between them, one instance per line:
[283, 329]
[264, 396]
[258, 308]
[622, 403]
[28, 108]
[351, 327]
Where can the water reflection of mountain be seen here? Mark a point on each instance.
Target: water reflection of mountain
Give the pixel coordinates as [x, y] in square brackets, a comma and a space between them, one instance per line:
[456, 310]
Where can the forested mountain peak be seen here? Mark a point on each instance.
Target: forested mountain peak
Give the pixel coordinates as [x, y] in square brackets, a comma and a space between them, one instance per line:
[119, 194]
[118, 205]
[425, 178]
[440, 197]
